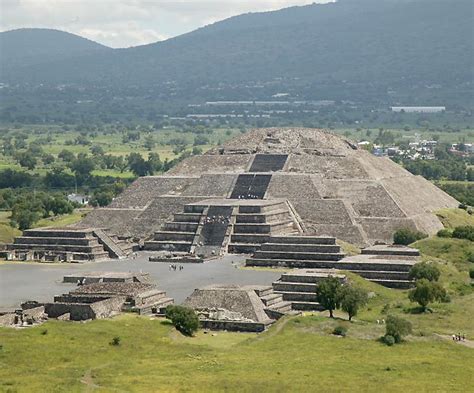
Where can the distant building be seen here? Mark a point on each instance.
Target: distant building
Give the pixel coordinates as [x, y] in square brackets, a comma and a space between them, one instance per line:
[81, 199]
[419, 109]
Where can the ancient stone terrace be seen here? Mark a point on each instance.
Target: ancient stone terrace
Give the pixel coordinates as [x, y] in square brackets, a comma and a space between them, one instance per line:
[94, 277]
[241, 308]
[104, 299]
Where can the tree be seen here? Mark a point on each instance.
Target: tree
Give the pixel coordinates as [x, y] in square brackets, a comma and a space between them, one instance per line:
[82, 167]
[154, 163]
[406, 236]
[184, 319]
[137, 164]
[101, 199]
[328, 294]
[426, 292]
[397, 327]
[424, 270]
[66, 155]
[352, 299]
[27, 160]
[149, 143]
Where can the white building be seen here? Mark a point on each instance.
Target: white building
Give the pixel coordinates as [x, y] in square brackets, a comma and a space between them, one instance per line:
[418, 109]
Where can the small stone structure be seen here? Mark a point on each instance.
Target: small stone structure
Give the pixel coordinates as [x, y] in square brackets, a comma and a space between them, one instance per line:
[30, 313]
[237, 308]
[104, 299]
[93, 277]
[68, 245]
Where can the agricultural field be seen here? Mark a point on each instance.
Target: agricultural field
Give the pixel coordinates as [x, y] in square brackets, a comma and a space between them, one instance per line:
[169, 143]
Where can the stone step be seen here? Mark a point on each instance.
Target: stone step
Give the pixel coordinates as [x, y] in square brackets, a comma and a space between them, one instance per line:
[109, 244]
[271, 299]
[175, 236]
[383, 275]
[85, 241]
[242, 248]
[263, 290]
[307, 306]
[181, 226]
[277, 215]
[303, 240]
[57, 248]
[291, 296]
[319, 264]
[262, 228]
[246, 209]
[310, 276]
[168, 245]
[187, 217]
[397, 284]
[281, 307]
[402, 251]
[58, 233]
[305, 248]
[194, 208]
[299, 256]
[294, 286]
[252, 238]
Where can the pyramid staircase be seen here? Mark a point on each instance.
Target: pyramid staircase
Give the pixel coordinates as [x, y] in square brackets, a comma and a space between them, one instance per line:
[256, 224]
[178, 234]
[275, 305]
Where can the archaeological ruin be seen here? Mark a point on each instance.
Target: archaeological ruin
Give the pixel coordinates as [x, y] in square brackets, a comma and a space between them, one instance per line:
[282, 195]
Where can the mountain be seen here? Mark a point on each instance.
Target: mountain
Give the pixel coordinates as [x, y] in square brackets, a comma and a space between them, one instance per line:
[27, 47]
[376, 50]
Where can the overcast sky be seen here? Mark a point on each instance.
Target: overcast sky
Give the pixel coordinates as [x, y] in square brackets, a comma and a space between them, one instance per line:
[123, 23]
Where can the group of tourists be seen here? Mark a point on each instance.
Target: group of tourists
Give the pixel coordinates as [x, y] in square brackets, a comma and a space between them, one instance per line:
[175, 267]
[458, 337]
[217, 220]
[249, 196]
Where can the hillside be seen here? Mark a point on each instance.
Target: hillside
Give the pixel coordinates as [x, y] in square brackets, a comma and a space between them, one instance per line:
[27, 47]
[373, 50]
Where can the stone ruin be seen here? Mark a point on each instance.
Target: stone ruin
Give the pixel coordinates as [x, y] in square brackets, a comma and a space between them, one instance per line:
[266, 183]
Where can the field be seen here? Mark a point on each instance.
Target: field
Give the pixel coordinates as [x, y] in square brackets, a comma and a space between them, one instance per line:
[295, 355]
[112, 143]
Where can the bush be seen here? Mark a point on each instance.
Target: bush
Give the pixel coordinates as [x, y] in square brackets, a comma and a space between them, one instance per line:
[444, 233]
[340, 331]
[424, 270]
[328, 294]
[388, 339]
[406, 236]
[464, 232]
[397, 328]
[115, 341]
[184, 319]
[471, 273]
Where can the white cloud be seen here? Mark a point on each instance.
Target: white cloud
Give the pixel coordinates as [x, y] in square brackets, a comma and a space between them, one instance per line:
[122, 23]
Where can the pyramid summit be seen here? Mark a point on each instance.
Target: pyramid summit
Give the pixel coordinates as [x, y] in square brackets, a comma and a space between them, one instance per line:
[264, 184]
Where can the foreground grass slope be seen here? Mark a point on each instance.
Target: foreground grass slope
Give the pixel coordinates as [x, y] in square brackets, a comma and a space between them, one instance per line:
[294, 355]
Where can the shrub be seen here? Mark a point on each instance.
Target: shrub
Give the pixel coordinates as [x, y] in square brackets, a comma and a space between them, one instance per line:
[444, 233]
[471, 273]
[424, 270]
[352, 298]
[184, 319]
[44, 332]
[115, 341]
[406, 236]
[397, 327]
[427, 292]
[340, 331]
[388, 339]
[464, 232]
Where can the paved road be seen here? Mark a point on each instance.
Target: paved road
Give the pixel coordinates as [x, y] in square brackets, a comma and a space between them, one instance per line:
[26, 281]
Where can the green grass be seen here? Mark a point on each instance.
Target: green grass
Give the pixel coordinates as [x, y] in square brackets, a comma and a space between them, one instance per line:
[452, 218]
[7, 233]
[60, 221]
[295, 355]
